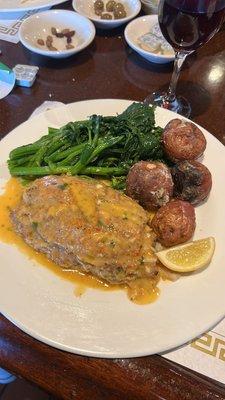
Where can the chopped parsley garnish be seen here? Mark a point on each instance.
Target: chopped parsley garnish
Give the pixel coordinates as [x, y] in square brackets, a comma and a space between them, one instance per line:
[34, 225]
[101, 223]
[142, 260]
[63, 186]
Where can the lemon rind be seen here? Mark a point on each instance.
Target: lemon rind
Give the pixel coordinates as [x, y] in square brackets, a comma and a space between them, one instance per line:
[174, 267]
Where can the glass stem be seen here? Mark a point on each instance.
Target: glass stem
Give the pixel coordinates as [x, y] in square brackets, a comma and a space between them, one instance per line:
[178, 62]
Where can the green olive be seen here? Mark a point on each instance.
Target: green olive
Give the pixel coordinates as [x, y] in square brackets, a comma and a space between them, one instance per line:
[110, 5]
[106, 16]
[118, 14]
[99, 5]
[119, 6]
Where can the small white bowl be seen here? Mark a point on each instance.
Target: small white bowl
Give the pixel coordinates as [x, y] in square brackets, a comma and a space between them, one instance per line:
[139, 27]
[38, 26]
[86, 8]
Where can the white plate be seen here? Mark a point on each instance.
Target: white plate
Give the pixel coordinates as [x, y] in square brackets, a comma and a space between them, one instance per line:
[38, 26]
[20, 5]
[107, 324]
[138, 27]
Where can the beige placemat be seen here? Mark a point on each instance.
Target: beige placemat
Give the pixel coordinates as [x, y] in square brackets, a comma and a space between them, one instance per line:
[205, 355]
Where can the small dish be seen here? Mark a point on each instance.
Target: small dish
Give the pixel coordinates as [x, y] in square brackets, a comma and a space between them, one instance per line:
[39, 26]
[86, 8]
[139, 27]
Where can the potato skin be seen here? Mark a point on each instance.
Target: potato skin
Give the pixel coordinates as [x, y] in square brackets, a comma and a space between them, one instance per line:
[150, 183]
[183, 140]
[192, 181]
[174, 223]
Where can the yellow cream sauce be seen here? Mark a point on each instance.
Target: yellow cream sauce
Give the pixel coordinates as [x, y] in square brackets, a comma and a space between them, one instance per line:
[8, 200]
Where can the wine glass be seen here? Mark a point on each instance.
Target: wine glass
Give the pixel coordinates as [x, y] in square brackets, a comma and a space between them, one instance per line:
[186, 25]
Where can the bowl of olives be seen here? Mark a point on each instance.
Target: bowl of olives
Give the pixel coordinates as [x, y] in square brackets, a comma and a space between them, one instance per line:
[108, 14]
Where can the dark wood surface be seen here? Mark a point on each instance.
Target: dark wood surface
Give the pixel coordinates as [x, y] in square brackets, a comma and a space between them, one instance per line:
[20, 389]
[109, 69]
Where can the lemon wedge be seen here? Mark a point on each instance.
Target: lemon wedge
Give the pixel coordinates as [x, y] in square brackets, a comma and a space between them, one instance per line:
[188, 257]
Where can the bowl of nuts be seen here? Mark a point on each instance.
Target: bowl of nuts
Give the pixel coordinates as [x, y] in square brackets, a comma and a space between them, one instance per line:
[56, 33]
[108, 14]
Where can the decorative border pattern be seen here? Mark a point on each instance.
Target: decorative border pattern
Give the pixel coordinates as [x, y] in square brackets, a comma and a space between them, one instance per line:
[211, 345]
[14, 28]
[9, 30]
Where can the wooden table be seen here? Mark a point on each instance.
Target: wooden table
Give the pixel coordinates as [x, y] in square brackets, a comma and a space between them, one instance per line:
[109, 69]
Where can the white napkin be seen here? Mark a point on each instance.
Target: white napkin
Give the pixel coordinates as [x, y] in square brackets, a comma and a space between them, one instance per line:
[10, 24]
[205, 355]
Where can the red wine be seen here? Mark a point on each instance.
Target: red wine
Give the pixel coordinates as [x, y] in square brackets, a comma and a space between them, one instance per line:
[187, 24]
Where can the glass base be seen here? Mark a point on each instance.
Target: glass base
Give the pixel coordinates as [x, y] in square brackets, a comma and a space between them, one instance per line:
[178, 104]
